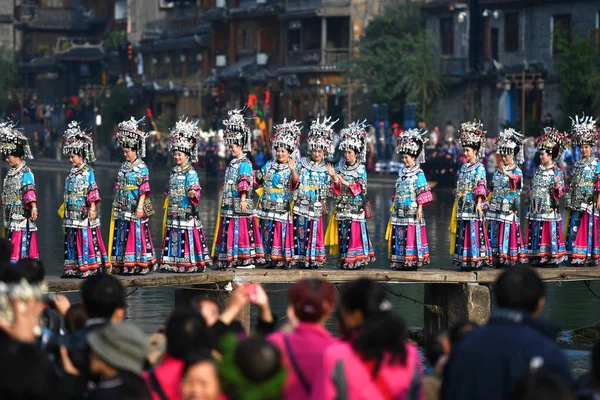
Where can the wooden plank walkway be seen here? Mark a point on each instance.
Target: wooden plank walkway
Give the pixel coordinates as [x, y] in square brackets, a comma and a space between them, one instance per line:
[57, 284]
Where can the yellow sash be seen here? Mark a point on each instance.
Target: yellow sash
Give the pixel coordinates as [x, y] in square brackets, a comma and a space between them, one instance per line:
[111, 235]
[214, 246]
[61, 213]
[331, 236]
[567, 222]
[388, 232]
[453, 228]
[4, 233]
[166, 210]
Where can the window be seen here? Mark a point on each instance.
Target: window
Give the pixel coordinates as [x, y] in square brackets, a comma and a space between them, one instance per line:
[560, 29]
[511, 32]
[246, 38]
[447, 36]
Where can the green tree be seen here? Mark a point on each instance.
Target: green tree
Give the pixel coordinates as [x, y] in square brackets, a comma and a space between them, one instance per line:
[396, 59]
[114, 110]
[578, 75]
[8, 72]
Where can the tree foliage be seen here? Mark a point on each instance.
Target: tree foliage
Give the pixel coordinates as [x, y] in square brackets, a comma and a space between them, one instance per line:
[578, 75]
[396, 60]
[114, 110]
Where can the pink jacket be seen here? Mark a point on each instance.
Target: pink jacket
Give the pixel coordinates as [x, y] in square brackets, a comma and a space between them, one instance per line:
[308, 342]
[168, 373]
[344, 376]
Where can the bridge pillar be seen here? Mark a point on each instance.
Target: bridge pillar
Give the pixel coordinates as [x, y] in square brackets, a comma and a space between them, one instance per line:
[214, 292]
[447, 304]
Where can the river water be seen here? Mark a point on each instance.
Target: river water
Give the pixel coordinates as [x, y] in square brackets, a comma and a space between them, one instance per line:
[571, 304]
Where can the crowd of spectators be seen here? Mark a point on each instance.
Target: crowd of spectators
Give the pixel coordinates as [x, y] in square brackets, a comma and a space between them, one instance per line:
[52, 349]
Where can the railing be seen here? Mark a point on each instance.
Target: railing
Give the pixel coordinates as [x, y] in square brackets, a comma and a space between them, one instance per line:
[453, 67]
[313, 57]
[304, 57]
[299, 5]
[337, 56]
[175, 24]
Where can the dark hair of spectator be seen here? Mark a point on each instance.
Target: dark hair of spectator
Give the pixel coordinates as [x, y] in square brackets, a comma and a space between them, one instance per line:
[434, 348]
[134, 386]
[519, 289]
[10, 274]
[5, 251]
[187, 333]
[102, 295]
[460, 330]
[195, 358]
[257, 359]
[75, 318]
[382, 332]
[541, 385]
[309, 297]
[34, 269]
[596, 365]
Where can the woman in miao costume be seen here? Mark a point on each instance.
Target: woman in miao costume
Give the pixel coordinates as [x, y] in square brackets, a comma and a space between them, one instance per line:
[544, 222]
[503, 214]
[347, 231]
[130, 244]
[407, 236]
[469, 240]
[184, 245]
[18, 194]
[277, 178]
[310, 197]
[237, 239]
[583, 201]
[85, 254]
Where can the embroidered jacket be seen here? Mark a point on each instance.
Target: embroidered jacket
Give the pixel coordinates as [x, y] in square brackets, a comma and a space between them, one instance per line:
[585, 184]
[276, 180]
[543, 195]
[469, 188]
[350, 200]
[238, 180]
[506, 193]
[132, 182]
[81, 191]
[412, 190]
[183, 192]
[18, 192]
[312, 190]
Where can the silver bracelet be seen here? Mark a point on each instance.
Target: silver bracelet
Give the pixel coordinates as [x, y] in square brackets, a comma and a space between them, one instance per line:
[34, 209]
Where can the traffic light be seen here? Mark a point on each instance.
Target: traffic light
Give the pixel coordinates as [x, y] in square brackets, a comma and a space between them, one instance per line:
[130, 52]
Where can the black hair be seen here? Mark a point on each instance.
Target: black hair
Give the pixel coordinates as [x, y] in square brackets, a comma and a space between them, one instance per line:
[187, 333]
[459, 330]
[434, 349]
[382, 332]
[5, 252]
[102, 295]
[541, 385]
[133, 387]
[520, 289]
[79, 152]
[195, 358]
[473, 146]
[33, 269]
[75, 318]
[18, 152]
[10, 274]
[257, 359]
[595, 370]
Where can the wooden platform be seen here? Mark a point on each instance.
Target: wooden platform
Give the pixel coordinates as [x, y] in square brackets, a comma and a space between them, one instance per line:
[485, 276]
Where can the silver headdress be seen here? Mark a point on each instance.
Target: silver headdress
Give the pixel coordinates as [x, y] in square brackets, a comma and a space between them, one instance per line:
[78, 141]
[320, 135]
[12, 139]
[552, 139]
[130, 136]
[510, 143]
[412, 142]
[471, 134]
[355, 137]
[185, 137]
[287, 135]
[236, 130]
[584, 131]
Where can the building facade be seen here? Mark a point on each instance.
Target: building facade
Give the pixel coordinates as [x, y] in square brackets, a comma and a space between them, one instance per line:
[515, 49]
